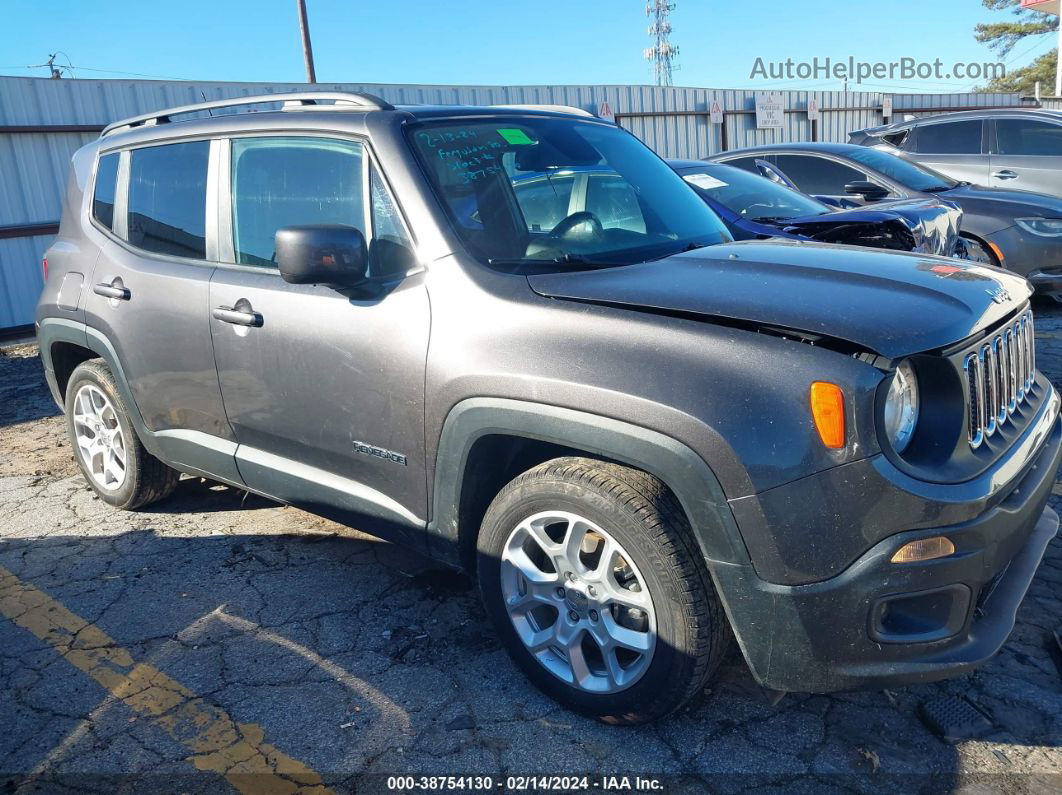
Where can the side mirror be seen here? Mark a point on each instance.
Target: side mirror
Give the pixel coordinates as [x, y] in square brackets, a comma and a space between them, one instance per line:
[870, 191]
[333, 255]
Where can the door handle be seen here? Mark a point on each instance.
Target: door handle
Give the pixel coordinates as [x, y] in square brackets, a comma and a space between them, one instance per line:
[112, 291]
[1005, 174]
[236, 317]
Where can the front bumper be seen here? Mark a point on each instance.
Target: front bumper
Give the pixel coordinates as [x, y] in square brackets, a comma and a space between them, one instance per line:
[1037, 258]
[879, 624]
[1047, 282]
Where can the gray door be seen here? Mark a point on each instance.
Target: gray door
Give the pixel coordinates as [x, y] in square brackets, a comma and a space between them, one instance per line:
[954, 148]
[325, 391]
[1027, 155]
[149, 298]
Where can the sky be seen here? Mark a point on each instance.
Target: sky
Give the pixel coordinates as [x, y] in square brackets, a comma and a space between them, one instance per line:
[512, 42]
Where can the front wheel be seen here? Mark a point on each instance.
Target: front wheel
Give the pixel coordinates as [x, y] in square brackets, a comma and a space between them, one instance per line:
[592, 578]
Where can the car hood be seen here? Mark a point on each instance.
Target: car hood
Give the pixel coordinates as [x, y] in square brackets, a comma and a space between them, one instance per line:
[933, 224]
[893, 304]
[1004, 201]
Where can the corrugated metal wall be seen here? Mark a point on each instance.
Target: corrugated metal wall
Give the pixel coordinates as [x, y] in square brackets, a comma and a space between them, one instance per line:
[674, 121]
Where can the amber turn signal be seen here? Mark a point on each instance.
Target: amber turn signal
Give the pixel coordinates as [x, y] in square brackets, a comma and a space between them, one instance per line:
[926, 549]
[997, 251]
[827, 409]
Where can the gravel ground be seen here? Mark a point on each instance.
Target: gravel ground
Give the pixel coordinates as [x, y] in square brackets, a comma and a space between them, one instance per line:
[162, 650]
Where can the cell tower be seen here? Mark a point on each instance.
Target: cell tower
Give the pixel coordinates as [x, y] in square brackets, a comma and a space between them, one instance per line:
[662, 54]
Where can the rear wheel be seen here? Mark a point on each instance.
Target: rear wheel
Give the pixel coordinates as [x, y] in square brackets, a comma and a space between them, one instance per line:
[110, 454]
[593, 581]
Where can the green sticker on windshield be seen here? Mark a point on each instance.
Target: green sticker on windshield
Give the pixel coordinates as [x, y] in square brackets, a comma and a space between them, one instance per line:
[515, 136]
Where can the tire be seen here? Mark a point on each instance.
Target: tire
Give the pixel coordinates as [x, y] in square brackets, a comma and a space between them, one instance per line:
[648, 527]
[143, 479]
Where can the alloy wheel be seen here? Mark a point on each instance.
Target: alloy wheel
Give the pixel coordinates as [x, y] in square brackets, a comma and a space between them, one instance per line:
[578, 602]
[99, 437]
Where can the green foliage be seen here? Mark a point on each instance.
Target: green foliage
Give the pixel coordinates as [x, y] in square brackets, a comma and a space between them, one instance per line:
[1023, 81]
[1002, 36]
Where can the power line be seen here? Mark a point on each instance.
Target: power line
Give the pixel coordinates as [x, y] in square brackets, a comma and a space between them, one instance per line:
[71, 67]
[133, 74]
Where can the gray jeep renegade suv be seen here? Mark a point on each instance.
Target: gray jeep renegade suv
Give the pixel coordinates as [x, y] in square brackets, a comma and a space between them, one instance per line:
[642, 437]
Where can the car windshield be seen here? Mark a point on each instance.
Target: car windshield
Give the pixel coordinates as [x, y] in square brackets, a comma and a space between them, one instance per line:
[750, 195]
[908, 174]
[549, 193]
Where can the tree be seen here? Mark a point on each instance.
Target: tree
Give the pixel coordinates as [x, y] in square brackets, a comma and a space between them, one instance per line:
[1024, 80]
[1002, 36]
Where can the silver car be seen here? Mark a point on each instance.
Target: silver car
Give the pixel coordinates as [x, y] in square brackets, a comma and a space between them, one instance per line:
[1005, 148]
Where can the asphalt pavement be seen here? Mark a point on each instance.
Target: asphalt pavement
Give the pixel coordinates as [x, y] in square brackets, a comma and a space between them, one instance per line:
[219, 641]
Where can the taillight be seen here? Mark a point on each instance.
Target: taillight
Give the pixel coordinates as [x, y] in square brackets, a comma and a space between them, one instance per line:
[44, 268]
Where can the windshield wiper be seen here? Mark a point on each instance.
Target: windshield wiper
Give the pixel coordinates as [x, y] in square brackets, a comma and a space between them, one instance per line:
[565, 259]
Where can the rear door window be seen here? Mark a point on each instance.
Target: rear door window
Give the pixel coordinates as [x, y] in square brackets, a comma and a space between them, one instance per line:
[167, 199]
[104, 191]
[817, 175]
[1028, 137]
[947, 138]
[282, 181]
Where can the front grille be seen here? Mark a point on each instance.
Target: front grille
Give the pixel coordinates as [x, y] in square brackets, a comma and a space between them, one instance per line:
[999, 377]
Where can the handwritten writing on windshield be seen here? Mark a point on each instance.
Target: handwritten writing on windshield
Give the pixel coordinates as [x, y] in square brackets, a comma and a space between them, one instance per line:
[465, 153]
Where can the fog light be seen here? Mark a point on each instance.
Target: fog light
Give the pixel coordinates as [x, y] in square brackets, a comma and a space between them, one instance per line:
[926, 549]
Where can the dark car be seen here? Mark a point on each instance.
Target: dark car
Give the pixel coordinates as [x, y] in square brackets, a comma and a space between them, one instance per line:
[1013, 229]
[642, 439]
[1017, 148]
[754, 208]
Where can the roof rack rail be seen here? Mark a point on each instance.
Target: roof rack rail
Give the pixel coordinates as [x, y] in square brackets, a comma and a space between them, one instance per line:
[341, 100]
[555, 108]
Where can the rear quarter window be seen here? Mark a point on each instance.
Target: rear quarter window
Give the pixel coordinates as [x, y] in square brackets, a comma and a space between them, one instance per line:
[104, 190]
[167, 199]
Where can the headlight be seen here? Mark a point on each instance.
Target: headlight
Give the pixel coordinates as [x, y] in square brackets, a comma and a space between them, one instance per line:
[1044, 227]
[901, 407]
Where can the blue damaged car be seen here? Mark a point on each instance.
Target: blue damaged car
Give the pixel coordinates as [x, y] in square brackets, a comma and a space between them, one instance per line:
[753, 207]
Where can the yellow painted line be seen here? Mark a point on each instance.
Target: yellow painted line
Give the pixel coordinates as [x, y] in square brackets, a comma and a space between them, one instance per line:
[218, 743]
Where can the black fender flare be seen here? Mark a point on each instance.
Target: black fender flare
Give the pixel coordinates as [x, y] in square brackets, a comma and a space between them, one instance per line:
[57, 329]
[680, 468]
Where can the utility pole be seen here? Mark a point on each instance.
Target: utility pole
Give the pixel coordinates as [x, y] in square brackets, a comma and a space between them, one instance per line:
[307, 48]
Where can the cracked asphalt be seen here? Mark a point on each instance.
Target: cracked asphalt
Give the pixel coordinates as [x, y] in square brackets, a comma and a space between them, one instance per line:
[222, 641]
